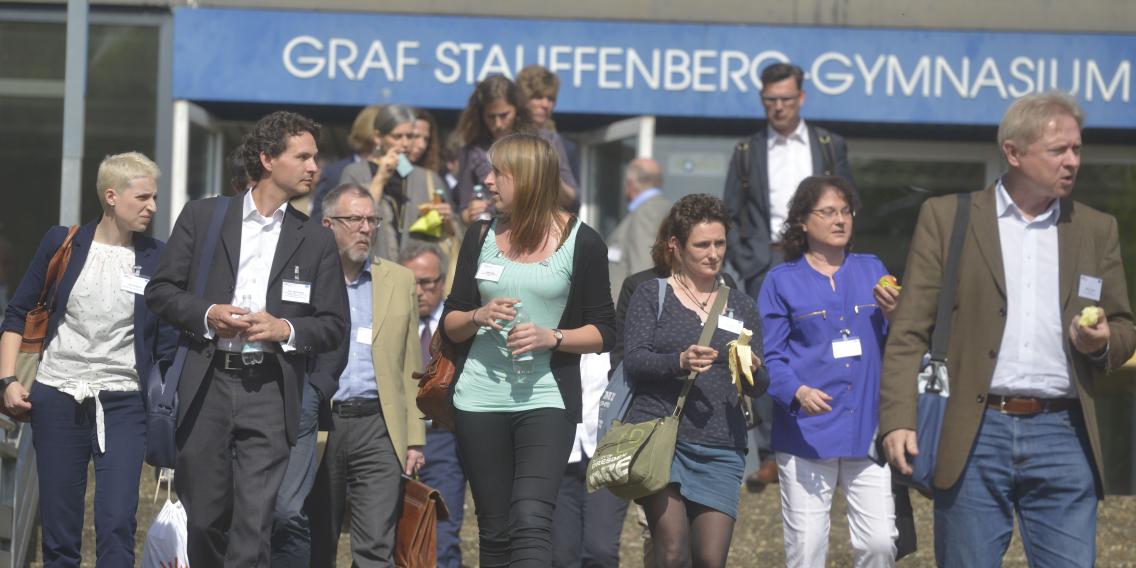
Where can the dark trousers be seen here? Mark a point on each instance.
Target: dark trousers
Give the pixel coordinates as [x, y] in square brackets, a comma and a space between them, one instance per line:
[66, 441]
[443, 471]
[291, 536]
[586, 526]
[359, 469]
[230, 464]
[514, 462]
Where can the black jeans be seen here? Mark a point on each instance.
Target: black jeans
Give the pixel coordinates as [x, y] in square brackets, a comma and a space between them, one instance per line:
[514, 462]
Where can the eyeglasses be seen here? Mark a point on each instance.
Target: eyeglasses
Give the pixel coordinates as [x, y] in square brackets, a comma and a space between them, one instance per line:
[428, 284]
[768, 99]
[829, 213]
[356, 221]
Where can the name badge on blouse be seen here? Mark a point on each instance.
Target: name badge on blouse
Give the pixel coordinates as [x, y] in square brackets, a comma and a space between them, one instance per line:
[846, 347]
[1090, 288]
[490, 272]
[134, 283]
[730, 324]
[363, 335]
[614, 254]
[296, 291]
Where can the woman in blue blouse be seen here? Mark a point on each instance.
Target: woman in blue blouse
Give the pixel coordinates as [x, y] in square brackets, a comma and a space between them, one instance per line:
[692, 519]
[825, 323]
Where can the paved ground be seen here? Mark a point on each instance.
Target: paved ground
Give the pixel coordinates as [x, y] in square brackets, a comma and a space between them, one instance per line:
[757, 537]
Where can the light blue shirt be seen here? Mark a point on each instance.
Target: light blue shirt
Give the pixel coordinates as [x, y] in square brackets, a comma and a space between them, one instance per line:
[358, 378]
[642, 198]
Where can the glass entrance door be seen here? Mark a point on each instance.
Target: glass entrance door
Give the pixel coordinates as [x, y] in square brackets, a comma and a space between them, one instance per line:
[605, 153]
[197, 168]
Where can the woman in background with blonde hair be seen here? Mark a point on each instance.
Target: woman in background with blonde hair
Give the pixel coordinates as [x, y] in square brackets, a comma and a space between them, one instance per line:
[530, 295]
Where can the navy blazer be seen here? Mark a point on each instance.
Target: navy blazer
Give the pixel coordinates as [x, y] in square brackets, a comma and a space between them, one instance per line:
[153, 339]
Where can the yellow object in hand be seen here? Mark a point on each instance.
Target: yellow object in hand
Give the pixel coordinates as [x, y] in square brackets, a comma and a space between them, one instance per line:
[429, 224]
[741, 359]
[1090, 316]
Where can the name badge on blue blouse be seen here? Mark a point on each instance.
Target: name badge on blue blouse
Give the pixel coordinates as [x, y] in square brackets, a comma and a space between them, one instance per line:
[846, 347]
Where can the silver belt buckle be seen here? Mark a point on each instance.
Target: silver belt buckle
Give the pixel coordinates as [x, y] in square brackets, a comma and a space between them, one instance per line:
[236, 367]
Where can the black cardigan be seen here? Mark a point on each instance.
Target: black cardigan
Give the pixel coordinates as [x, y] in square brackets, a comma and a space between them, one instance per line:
[589, 302]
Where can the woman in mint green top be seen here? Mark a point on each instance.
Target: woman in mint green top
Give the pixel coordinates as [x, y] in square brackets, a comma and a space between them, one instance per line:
[530, 295]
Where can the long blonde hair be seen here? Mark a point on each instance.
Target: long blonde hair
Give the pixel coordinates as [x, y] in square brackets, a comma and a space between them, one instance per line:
[535, 167]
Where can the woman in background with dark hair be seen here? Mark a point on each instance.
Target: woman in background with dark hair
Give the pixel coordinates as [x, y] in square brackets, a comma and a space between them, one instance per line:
[424, 152]
[692, 519]
[496, 109]
[517, 392]
[825, 317]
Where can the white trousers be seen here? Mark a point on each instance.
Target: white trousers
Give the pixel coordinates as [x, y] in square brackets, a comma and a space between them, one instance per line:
[807, 486]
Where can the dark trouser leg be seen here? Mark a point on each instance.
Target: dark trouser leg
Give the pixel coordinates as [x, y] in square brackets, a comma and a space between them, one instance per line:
[117, 473]
[373, 490]
[326, 502]
[514, 478]
[62, 434]
[443, 472]
[291, 538]
[603, 525]
[568, 520]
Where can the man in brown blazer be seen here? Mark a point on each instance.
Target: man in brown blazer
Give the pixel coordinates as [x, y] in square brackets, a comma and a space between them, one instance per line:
[377, 431]
[1020, 429]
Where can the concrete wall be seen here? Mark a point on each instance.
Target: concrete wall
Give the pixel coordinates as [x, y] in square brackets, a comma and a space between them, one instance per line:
[1117, 16]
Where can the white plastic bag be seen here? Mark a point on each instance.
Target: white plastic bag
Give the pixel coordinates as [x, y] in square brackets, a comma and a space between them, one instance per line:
[166, 540]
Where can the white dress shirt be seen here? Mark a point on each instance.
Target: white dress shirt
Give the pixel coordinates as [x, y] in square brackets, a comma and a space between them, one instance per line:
[790, 161]
[1031, 360]
[259, 236]
[593, 380]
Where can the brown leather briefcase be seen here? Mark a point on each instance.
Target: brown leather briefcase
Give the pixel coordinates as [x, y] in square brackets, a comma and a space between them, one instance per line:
[416, 543]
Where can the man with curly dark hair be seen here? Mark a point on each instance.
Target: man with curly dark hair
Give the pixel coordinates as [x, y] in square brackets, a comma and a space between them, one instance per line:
[273, 298]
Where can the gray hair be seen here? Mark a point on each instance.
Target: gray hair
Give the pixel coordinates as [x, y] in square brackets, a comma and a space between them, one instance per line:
[646, 173]
[330, 201]
[413, 248]
[1025, 120]
[391, 116]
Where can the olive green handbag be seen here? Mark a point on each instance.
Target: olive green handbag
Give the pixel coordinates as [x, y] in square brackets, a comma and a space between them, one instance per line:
[634, 460]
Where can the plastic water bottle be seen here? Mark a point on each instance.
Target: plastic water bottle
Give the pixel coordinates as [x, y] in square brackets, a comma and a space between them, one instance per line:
[523, 363]
[252, 352]
[479, 193]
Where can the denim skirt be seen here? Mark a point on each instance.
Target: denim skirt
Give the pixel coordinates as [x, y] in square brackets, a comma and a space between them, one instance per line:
[709, 475]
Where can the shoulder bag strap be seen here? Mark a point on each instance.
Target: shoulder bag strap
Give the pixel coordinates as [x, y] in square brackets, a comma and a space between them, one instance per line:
[55, 269]
[942, 331]
[743, 165]
[825, 140]
[173, 376]
[704, 340]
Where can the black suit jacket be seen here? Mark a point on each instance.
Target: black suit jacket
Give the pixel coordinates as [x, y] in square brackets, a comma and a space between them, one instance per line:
[320, 325]
[749, 241]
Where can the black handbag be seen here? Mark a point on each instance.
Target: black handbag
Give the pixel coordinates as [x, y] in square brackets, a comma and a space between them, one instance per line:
[162, 382]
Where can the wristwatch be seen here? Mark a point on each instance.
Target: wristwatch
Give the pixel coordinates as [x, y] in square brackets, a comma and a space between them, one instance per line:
[559, 335]
[4, 382]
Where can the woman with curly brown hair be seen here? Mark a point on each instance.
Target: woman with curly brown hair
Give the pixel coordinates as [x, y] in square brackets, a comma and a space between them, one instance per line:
[496, 109]
[692, 519]
[825, 320]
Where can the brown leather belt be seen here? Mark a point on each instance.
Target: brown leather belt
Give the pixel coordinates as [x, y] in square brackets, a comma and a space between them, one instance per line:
[1029, 406]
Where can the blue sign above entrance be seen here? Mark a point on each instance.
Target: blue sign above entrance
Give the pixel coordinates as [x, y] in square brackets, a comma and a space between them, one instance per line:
[624, 68]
